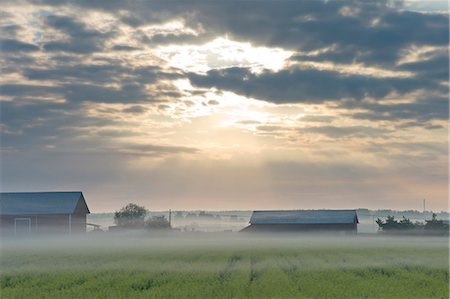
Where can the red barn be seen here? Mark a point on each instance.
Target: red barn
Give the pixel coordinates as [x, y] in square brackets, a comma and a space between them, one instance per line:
[42, 212]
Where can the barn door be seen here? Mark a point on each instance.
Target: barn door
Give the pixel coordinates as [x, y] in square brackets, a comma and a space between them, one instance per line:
[22, 226]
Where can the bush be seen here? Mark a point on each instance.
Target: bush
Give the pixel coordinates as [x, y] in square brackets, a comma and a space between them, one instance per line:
[392, 224]
[435, 224]
[157, 222]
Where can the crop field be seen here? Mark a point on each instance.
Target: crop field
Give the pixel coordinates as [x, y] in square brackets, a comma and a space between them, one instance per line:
[229, 266]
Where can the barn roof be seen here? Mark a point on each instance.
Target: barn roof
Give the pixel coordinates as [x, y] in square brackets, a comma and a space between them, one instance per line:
[304, 217]
[31, 203]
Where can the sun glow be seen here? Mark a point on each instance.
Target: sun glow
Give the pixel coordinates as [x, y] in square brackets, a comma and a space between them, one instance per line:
[223, 53]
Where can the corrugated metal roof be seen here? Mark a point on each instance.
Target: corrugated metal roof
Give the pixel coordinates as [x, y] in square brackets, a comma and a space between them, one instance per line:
[304, 217]
[26, 203]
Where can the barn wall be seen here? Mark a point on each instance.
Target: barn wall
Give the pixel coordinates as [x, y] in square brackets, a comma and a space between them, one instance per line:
[46, 224]
[78, 223]
[53, 224]
[7, 223]
[341, 227]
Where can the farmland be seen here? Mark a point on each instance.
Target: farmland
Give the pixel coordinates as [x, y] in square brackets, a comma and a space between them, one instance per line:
[229, 266]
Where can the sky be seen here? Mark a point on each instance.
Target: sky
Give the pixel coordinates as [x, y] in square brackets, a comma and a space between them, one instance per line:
[227, 105]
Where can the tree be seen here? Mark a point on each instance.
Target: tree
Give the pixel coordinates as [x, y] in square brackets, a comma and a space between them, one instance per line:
[191, 215]
[205, 215]
[435, 224]
[157, 222]
[392, 224]
[405, 223]
[131, 215]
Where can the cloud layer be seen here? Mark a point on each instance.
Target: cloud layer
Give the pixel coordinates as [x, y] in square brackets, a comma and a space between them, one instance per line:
[147, 89]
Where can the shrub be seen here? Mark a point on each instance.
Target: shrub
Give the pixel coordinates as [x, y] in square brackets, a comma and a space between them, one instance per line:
[157, 222]
[392, 224]
[435, 224]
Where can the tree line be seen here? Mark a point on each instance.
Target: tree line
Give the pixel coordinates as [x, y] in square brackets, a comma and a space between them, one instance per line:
[433, 226]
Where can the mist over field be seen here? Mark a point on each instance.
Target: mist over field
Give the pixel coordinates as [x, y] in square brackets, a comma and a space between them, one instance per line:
[220, 221]
[238, 265]
[199, 244]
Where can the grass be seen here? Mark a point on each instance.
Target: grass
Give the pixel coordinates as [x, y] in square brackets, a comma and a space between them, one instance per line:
[226, 267]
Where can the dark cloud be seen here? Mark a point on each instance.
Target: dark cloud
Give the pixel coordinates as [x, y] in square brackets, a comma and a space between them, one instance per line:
[271, 128]
[156, 150]
[108, 81]
[112, 72]
[350, 131]
[12, 45]
[306, 85]
[368, 32]
[79, 92]
[371, 30]
[379, 44]
[423, 110]
[49, 127]
[435, 67]
[124, 48]
[248, 122]
[75, 73]
[434, 127]
[178, 39]
[318, 118]
[82, 39]
[130, 93]
[134, 110]
[132, 21]
[32, 124]
[422, 124]
[23, 90]
[10, 30]
[213, 102]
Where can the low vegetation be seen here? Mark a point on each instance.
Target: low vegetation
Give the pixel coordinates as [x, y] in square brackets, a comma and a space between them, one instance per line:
[205, 266]
[157, 222]
[404, 225]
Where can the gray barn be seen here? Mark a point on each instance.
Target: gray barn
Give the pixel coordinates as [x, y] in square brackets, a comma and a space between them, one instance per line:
[303, 221]
[42, 212]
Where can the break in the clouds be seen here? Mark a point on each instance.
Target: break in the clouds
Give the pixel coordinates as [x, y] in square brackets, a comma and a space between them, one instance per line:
[227, 104]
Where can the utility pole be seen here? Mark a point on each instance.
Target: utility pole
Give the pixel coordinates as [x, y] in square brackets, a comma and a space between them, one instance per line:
[424, 209]
[170, 217]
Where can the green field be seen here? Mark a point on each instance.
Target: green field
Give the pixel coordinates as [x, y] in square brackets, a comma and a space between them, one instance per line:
[233, 266]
